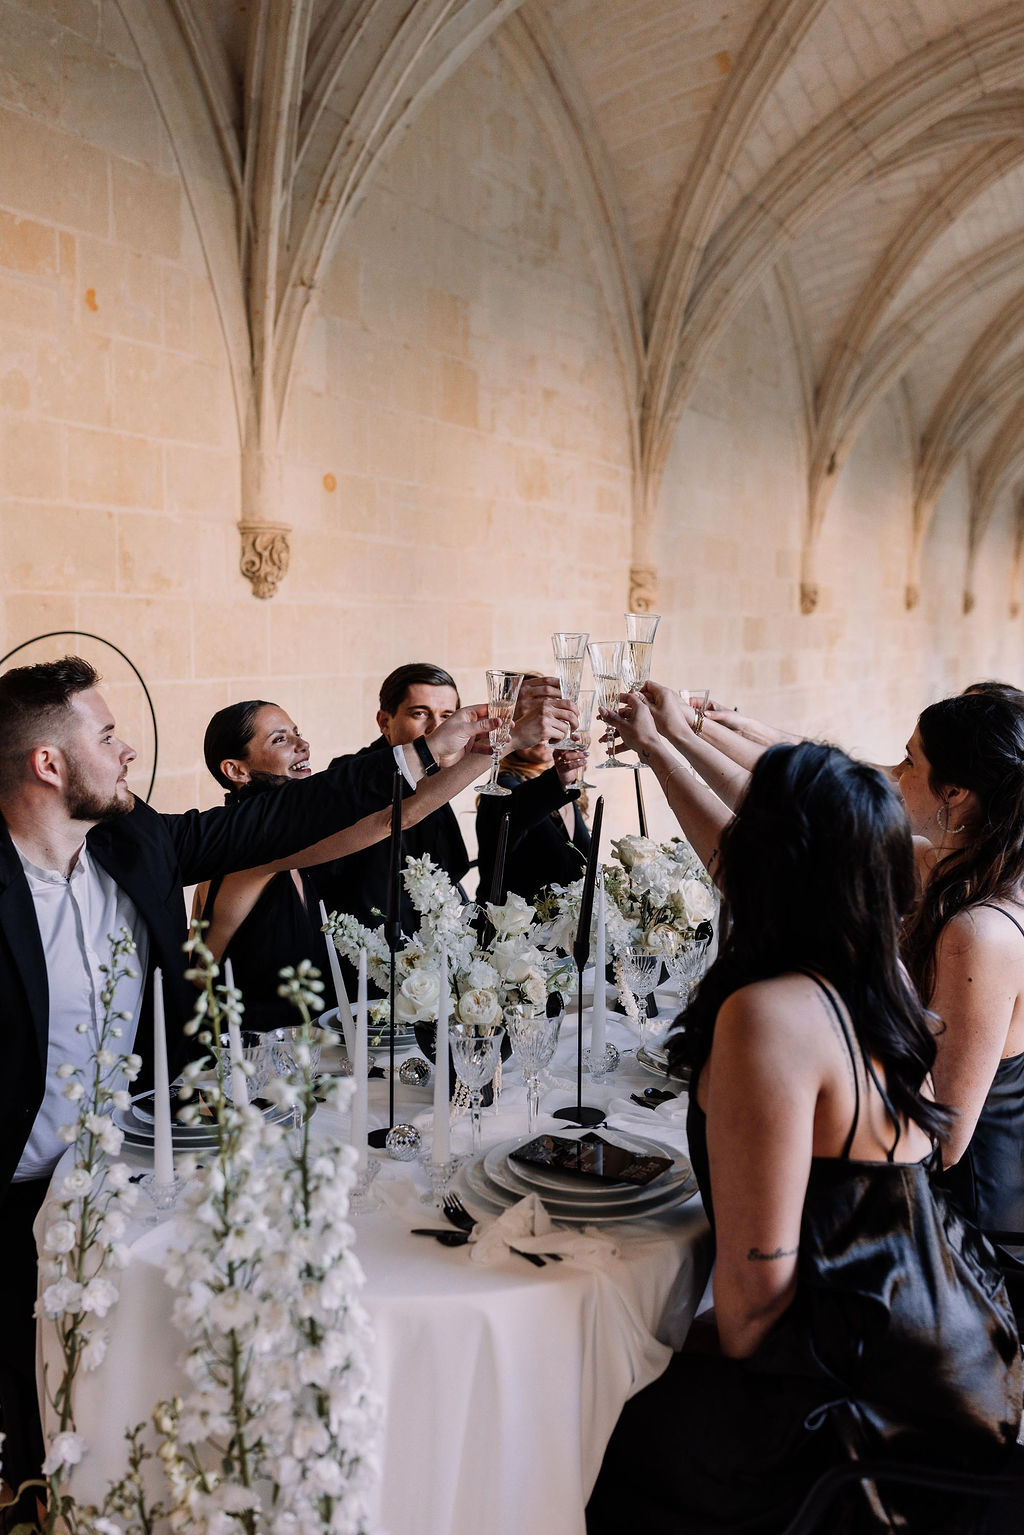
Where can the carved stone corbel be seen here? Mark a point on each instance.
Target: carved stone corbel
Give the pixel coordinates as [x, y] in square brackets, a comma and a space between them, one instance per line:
[643, 588]
[265, 555]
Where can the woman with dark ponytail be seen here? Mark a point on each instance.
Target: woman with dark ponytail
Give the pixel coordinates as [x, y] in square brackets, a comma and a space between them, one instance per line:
[962, 781]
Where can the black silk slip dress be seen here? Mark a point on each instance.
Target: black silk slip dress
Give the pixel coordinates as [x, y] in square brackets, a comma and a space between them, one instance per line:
[988, 1181]
[280, 930]
[899, 1342]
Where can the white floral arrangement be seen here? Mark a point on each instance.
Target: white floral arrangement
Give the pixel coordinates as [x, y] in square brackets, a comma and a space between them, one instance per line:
[278, 1431]
[507, 968]
[659, 895]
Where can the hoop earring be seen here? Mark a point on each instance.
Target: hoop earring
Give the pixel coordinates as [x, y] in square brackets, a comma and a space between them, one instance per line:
[944, 826]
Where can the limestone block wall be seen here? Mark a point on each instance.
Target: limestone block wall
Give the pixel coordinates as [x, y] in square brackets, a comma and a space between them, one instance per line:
[456, 452]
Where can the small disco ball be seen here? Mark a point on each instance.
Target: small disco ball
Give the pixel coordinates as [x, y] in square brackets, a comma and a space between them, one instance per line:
[403, 1143]
[602, 1067]
[415, 1072]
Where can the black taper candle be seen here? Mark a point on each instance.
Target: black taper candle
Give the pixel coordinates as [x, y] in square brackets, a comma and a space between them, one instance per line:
[575, 1113]
[641, 814]
[393, 934]
[498, 877]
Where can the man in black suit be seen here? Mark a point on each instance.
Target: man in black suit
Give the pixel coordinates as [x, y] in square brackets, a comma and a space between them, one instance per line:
[80, 857]
[415, 700]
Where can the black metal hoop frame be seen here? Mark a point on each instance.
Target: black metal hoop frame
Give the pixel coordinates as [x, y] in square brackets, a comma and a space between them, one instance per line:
[55, 634]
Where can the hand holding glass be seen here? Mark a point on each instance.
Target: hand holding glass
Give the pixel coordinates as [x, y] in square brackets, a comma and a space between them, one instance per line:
[606, 664]
[502, 693]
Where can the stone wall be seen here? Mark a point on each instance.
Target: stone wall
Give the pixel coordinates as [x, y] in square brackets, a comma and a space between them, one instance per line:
[457, 459]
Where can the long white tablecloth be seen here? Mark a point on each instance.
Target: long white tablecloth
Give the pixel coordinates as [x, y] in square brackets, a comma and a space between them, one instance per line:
[500, 1384]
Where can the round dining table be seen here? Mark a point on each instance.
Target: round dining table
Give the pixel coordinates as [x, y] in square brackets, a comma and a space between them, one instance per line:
[499, 1382]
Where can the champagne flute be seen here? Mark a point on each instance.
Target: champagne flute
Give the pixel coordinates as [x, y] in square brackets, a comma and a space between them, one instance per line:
[606, 664]
[570, 653]
[502, 693]
[578, 740]
[637, 653]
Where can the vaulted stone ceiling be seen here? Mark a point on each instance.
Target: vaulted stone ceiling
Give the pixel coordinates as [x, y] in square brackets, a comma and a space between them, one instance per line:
[865, 158]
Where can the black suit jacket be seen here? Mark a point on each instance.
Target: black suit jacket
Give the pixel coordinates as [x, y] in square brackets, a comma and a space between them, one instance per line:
[540, 851]
[151, 857]
[359, 883]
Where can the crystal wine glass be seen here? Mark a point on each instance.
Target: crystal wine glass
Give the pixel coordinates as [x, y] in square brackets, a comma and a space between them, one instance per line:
[641, 968]
[476, 1051]
[637, 653]
[606, 664]
[256, 1054]
[534, 1039]
[570, 653]
[502, 693]
[686, 965]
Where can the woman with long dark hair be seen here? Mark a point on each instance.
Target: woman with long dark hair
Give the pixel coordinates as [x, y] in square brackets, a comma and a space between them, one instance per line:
[856, 1315]
[962, 782]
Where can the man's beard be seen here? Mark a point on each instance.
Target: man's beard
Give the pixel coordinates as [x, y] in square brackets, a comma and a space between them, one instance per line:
[83, 804]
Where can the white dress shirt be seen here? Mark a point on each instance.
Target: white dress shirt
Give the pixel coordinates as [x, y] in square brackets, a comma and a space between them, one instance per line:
[77, 917]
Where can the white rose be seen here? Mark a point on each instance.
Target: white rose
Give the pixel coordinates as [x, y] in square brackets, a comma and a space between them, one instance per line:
[423, 987]
[698, 902]
[407, 1011]
[633, 850]
[515, 917]
[478, 1007]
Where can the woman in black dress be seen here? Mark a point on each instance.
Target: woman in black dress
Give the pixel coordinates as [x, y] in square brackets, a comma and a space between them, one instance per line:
[855, 1314]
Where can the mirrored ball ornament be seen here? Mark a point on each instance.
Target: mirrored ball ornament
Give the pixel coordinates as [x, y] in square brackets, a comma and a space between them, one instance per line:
[403, 1143]
[416, 1072]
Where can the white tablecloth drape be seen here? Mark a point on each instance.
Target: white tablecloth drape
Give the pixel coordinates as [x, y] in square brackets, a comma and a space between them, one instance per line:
[500, 1384]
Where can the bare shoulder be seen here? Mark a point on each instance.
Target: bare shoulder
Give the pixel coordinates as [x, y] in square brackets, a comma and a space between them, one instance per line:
[982, 930]
[785, 1009]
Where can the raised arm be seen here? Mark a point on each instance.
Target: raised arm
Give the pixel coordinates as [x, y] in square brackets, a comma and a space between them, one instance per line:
[676, 721]
[701, 813]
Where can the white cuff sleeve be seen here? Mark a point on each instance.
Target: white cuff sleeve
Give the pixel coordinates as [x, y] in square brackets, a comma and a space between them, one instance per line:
[403, 766]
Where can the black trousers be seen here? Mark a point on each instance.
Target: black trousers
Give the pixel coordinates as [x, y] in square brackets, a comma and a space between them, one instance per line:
[22, 1453]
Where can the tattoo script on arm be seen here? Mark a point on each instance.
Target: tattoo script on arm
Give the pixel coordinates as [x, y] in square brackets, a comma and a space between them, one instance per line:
[756, 1255]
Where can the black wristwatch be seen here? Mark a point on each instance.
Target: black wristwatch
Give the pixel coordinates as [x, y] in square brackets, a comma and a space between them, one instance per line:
[428, 761]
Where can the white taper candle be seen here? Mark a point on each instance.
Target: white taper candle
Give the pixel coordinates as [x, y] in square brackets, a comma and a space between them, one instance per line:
[163, 1152]
[340, 994]
[239, 1080]
[360, 1068]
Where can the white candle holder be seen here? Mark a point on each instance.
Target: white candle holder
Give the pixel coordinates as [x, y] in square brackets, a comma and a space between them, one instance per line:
[603, 1066]
[165, 1196]
[362, 1199]
[440, 1175]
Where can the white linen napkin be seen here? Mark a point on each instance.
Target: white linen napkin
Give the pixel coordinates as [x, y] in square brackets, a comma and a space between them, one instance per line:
[527, 1227]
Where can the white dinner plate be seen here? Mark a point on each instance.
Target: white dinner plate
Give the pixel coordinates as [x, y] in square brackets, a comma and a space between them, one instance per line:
[568, 1185]
[493, 1195]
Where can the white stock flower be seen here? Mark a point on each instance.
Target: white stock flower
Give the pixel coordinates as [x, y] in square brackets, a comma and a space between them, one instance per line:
[74, 1092]
[98, 1296]
[479, 1008]
[60, 1237]
[95, 1351]
[118, 1176]
[66, 1449]
[63, 1296]
[75, 1183]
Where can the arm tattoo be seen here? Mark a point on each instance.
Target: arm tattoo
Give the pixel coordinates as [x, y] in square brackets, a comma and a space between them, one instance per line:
[755, 1254]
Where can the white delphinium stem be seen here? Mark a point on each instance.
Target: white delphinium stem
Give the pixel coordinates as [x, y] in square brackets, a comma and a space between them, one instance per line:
[276, 1432]
[85, 1220]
